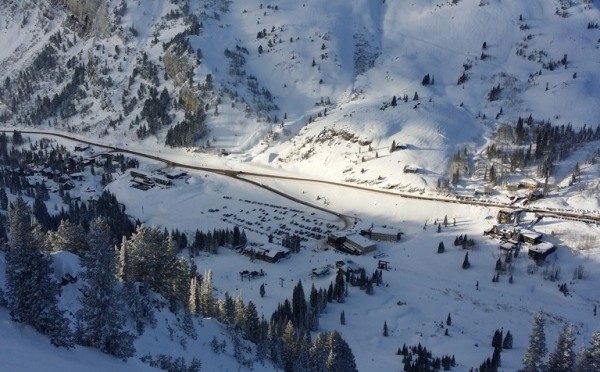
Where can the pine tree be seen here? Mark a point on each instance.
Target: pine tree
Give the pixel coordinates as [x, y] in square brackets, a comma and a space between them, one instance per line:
[194, 301]
[385, 329]
[299, 307]
[251, 325]
[238, 316]
[262, 290]
[508, 341]
[68, 237]
[207, 296]
[289, 346]
[340, 358]
[497, 339]
[449, 320]
[342, 318]
[588, 359]
[319, 353]
[466, 264]
[562, 358]
[533, 359]
[32, 292]
[100, 321]
[152, 260]
[496, 359]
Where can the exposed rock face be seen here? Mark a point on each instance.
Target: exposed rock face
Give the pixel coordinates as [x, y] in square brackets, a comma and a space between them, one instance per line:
[190, 100]
[84, 11]
[87, 16]
[178, 66]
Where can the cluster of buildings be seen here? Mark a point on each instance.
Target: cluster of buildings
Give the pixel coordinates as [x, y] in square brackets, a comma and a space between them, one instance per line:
[362, 242]
[512, 237]
[267, 252]
[144, 180]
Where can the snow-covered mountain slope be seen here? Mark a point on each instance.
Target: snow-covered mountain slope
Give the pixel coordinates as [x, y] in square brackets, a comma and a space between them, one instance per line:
[301, 85]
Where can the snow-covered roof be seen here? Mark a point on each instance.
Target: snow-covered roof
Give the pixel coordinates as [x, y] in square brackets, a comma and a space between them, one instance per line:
[530, 234]
[360, 240]
[385, 231]
[541, 247]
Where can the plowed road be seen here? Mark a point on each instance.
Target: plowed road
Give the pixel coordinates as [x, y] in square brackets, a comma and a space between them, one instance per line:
[348, 220]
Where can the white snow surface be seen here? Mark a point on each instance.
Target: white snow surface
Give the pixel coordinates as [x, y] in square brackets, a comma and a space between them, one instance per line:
[408, 40]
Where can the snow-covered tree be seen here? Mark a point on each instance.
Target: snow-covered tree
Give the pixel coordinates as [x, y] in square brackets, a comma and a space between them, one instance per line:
[251, 325]
[207, 296]
[32, 292]
[562, 358]
[588, 359]
[289, 346]
[68, 237]
[152, 259]
[226, 313]
[100, 320]
[193, 303]
[340, 358]
[533, 359]
[319, 353]
[238, 306]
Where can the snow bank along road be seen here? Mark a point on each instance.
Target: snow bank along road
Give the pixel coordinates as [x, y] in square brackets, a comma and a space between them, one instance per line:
[347, 220]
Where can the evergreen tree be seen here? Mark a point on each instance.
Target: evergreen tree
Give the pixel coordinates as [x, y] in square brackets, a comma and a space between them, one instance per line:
[3, 199]
[194, 298]
[251, 325]
[262, 290]
[497, 339]
[68, 237]
[466, 264]
[226, 313]
[562, 358]
[449, 320]
[508, 341]
[588, 359]
[207, 296]
[31, 291]
[385, 329]
[152, 260]
[496, 359]
[319, 353]
[533, 359]
[342, 318]
[302, 361]
[340, 358]
[100, 321]
[289, 347]
[238, 311]
[441, 248]
[299, 307]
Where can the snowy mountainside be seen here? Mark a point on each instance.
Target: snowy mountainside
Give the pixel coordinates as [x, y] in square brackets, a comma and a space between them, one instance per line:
[307, 89]
[270, 78]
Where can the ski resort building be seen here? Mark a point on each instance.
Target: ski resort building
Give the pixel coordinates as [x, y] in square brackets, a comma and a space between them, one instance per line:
[541, 251]
[530, 236]
[385, 234]
[359, 244]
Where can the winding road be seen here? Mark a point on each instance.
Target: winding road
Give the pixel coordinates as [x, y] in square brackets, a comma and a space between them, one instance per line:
[347, 220]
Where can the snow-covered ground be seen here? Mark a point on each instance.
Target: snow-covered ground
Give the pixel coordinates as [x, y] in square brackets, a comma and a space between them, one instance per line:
[398, 43]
